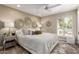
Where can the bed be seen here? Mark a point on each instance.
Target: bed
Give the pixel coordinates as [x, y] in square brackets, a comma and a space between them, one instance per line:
[37, 44]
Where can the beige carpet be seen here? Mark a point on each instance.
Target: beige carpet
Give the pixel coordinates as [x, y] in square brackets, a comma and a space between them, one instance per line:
[61, 48]
[65, 48]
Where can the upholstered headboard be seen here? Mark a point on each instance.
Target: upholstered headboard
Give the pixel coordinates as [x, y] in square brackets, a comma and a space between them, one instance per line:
[1, 25]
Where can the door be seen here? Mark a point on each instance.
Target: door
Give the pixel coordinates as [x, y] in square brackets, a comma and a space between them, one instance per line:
[65, 26]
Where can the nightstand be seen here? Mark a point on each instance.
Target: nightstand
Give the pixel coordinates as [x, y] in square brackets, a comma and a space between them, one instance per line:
[1, 48]
[9, 41]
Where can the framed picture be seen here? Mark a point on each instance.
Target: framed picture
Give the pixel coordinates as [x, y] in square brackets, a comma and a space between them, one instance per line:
[27, 21]
[48, 23]
[19, 23]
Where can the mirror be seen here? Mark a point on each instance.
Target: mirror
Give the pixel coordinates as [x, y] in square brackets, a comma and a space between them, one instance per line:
[19, 23]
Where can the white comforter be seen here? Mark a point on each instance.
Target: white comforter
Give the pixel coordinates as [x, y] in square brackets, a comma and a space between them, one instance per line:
[43, 43]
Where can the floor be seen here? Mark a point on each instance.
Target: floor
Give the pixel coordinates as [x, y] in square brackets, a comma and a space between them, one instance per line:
[61, 48]
[65, 48]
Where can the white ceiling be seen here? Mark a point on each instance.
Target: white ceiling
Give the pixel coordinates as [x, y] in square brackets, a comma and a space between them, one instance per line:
[39, 9]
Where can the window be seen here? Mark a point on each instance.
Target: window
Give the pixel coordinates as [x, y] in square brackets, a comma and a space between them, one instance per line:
[64, 26]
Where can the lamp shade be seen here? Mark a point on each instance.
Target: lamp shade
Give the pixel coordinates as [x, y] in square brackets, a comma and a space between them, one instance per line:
[9, 24]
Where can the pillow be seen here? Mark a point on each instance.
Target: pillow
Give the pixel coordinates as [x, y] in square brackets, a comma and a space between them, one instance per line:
[26, 31]
[36, 32]
[19, 32]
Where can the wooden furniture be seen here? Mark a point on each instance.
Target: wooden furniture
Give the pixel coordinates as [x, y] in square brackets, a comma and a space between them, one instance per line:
[9, 41]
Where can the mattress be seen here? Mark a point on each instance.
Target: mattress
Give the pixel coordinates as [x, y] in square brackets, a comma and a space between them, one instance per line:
[38, 44]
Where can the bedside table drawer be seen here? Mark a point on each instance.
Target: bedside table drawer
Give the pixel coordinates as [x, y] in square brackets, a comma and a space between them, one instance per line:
[9, 41]
[10, 44]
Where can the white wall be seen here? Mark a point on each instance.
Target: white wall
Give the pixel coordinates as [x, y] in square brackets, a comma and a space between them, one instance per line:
[9, 15]
[78, 25]
[54, 18]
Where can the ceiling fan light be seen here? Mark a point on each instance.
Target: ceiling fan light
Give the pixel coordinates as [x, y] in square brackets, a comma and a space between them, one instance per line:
[52, 6]
[46, 7]
[18, 5]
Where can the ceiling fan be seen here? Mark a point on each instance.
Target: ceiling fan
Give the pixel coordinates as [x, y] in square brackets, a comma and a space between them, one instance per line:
[49, 6]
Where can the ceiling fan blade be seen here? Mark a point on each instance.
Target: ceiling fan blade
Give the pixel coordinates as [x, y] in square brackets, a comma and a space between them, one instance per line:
[52, 6]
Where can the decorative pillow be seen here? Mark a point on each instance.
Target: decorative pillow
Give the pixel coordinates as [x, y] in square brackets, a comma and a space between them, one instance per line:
[36, 32]
[19, 32]
[26, 31]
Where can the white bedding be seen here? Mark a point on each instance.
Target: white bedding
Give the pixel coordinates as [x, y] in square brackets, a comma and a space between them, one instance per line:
[43, 43]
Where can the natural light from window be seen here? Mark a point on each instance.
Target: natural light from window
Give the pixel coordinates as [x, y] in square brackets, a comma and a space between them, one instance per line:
[64, 26]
